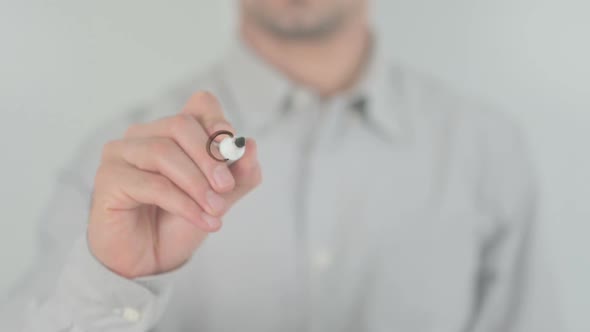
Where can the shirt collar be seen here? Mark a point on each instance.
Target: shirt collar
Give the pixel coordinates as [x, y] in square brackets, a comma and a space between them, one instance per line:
[260, 92]
[375, 92]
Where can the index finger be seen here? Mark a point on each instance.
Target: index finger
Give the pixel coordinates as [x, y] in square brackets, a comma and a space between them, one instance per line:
[205, 107]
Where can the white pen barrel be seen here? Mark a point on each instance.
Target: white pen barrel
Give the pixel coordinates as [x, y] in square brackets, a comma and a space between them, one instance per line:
[232, 148]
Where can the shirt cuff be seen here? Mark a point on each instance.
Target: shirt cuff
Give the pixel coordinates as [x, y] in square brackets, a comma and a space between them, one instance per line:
[93, 297]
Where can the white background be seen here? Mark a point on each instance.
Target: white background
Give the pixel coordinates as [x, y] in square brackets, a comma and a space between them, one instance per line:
[68, 65]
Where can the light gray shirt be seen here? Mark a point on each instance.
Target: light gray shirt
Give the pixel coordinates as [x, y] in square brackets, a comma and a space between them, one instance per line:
[399, 205]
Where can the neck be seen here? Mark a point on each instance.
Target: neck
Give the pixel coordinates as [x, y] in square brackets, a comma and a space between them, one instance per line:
[327, 66]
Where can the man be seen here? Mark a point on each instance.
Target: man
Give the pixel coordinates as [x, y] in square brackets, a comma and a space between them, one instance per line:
[388, 202]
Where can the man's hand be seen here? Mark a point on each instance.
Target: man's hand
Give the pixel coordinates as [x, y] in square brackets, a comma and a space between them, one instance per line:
[158, 193]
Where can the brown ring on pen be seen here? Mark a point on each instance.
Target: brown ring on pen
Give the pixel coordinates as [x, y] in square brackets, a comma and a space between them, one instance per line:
[212, 138]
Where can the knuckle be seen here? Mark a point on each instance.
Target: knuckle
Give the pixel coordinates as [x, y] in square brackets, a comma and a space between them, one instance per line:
[161, 147]
[132, 130]
[108, 149]
[99, 176]
[206, 98]
[103, 175]
[180, 122]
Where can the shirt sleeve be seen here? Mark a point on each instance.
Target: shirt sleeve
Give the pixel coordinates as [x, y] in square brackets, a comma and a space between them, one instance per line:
[89, 297]
[68, 289]
[515, 291]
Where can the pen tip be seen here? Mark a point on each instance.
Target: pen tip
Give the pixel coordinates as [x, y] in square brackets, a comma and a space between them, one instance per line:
[240, 142]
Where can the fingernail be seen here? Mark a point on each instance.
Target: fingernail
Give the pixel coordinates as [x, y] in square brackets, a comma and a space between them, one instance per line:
[211, 221]
[216, 202]
[222, 176]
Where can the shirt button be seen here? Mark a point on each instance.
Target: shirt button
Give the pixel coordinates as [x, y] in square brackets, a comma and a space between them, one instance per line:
[131, 314]
[322, 259]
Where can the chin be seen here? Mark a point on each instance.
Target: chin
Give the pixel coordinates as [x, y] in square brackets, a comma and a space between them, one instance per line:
[300, 18]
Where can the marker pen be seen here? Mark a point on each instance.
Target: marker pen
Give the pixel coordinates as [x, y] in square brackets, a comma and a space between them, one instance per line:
[230, 148]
